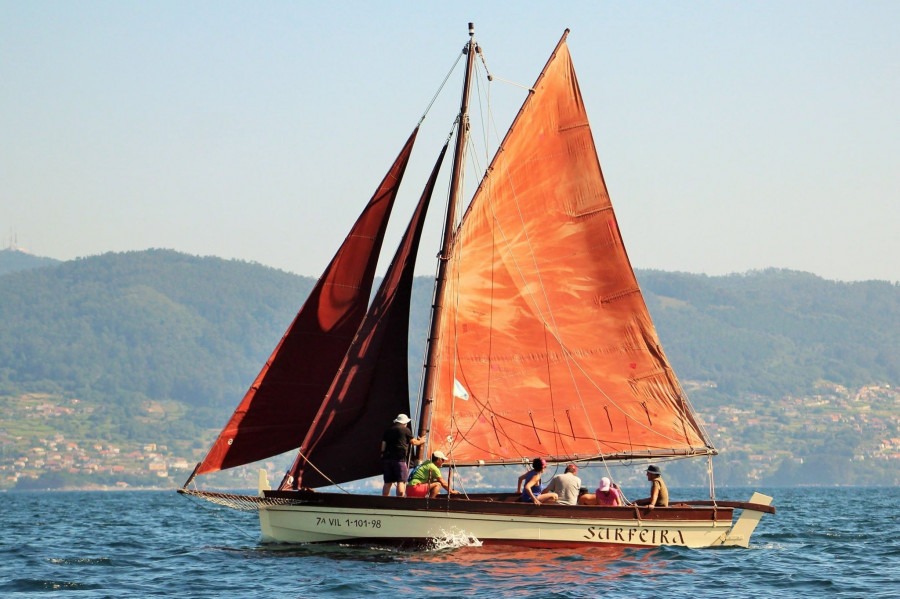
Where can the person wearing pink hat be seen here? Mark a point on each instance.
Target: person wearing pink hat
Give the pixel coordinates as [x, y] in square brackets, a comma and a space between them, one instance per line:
[606, 494]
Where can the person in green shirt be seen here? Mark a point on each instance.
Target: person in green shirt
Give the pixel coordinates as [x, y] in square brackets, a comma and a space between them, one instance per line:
[427, 481]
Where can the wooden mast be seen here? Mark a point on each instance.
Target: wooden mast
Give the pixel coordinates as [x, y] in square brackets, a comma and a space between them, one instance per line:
[447, 241]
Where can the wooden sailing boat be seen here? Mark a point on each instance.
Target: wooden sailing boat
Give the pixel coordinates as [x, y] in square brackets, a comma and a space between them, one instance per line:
[540, 345]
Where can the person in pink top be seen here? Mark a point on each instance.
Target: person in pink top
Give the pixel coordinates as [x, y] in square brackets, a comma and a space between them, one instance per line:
[607, 494]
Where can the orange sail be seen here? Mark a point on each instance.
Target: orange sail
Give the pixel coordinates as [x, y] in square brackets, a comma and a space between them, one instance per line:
[546, 347]
[278, 409]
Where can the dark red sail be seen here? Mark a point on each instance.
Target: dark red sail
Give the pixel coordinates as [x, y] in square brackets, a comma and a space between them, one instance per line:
[277, 411]
[372, 385]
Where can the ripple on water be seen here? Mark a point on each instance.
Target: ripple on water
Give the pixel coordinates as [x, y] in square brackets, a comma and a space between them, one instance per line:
[123, 545]
[27, 585]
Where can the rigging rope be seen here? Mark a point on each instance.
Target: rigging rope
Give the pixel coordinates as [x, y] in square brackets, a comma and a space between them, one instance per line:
[322, 474]
[438, 92]
[491, 77]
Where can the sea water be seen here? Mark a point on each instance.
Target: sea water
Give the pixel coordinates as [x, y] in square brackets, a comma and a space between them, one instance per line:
[822, 542]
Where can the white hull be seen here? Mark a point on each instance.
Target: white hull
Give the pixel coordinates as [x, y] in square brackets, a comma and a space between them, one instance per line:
[299, 524]
[419, 521]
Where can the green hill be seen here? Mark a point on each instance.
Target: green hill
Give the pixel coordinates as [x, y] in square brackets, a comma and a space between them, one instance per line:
[14, 260]
[775, 332]
[125, 354]
[121, 329]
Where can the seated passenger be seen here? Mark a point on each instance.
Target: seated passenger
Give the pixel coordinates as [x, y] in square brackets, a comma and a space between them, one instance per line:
[659, 493]
[531, 493]
[566, 486]
[607, 494]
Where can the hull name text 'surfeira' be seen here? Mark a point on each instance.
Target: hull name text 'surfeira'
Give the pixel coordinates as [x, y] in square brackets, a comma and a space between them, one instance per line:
[632, 535]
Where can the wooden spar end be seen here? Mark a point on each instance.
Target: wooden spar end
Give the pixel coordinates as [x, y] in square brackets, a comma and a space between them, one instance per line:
[192, 476]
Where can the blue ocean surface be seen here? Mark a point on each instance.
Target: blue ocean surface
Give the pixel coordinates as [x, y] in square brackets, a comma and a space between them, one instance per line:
[822, 542]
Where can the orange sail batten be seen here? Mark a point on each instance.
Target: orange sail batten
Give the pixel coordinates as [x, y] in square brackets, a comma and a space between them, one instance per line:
[546, 346]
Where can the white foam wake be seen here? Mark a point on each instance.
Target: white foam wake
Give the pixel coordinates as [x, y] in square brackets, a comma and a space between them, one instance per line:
[452, 539]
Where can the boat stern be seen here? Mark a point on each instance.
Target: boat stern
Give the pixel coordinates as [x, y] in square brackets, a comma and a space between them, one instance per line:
[739, 535]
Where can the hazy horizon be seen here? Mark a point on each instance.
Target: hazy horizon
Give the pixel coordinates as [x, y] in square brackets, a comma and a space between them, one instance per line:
[733, 136]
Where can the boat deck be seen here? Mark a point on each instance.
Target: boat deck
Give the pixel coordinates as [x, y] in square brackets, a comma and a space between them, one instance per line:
[505, 503]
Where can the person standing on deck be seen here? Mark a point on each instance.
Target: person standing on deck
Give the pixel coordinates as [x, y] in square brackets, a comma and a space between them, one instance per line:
[659, 493]
[394, 454]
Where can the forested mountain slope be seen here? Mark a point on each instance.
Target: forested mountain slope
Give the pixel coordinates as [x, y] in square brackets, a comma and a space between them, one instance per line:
[159, 346]
[160, 325]
[776, 331]
[14, 260]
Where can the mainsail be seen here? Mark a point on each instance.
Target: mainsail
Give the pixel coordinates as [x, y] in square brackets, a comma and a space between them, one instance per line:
[277, 410]
[546, 347]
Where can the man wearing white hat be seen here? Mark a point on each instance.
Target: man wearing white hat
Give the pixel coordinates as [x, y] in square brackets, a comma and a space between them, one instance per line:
[395, 454]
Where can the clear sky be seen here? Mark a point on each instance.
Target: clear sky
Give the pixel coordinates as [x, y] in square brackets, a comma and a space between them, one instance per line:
[733, 135]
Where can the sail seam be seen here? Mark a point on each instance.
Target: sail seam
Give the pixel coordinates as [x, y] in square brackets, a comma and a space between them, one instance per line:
[607, 299]
[649, 375]
[573, 126]
[582, 214]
